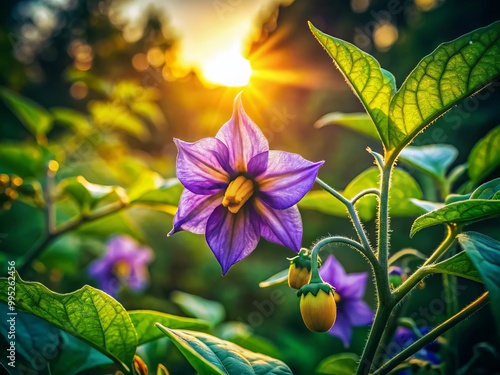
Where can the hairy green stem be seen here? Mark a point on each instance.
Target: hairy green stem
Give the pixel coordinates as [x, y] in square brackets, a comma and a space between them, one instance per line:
[450, 290]
[386, 301]
[432, 335]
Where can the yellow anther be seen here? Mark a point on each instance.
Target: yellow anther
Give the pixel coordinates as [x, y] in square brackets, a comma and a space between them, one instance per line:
[239, 191]
[121, 269]
[337, 297]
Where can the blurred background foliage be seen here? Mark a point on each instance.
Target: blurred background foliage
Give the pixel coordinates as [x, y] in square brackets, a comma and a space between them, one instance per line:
[118, 93]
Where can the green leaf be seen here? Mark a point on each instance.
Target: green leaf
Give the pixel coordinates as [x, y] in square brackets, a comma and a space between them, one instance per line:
[359, 122]
[211, 355]
[210, 311]
[488, 190]
[431, 159]
[23, 160]
[338, 364]
[464, 212]
[144, 322]
[278, 278]
[458, 265]
[33, 116]
[87, 194]
[427, 206]
[452, 198]
[152, 189]
[484, 252]
[403, 188]
[452, 72]
[73, 119]
[88, 314]
[484, 157]
[373, 85]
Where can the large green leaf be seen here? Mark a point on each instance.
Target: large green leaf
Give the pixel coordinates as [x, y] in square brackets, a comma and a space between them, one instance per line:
[432, 159]
[359, 122]
[484, 156]
[88, 314]
[144, 322]
[338, 364]
[152, 189]
[484, 252]
[453, 71]
[23, 160]
[373, 85]
[488, 190]
[211, 355]
[465, 212]
[33, 116]
[210, 311]
[45, 348]
[403, 188]
[458, 265]
[77, 121]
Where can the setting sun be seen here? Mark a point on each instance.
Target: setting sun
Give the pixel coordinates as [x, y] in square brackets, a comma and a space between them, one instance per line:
[227, 68]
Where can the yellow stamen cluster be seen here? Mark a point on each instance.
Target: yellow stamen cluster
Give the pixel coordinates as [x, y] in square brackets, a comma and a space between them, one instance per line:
[239, 191]
[121, 269]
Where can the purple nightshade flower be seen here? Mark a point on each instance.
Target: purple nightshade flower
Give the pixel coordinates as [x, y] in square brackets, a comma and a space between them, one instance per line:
[124, 264]
[237, 190]
[352, 311]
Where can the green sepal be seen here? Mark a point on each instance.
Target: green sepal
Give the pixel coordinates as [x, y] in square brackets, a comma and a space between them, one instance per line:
[303, 260]
[314, 288]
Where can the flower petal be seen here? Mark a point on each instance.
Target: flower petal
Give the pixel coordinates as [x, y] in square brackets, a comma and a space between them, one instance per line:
[287, 179]
[232, 237]
[194, 211]
[355, 285]
[258, 164]
[283, 227]
[358, 312]
[242, 137]
[342, 328]
[203, 166]
[333, 273]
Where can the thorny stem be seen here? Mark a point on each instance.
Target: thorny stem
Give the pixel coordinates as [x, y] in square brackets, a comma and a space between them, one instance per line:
[432, 335]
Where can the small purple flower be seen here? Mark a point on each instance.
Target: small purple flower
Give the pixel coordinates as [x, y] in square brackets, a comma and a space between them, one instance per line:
[124, 263]
[352, 311]
[237, 190]
[404, 337]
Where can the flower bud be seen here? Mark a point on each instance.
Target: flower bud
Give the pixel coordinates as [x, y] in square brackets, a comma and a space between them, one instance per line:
[317, 306]
[140, 366]
[299, 273]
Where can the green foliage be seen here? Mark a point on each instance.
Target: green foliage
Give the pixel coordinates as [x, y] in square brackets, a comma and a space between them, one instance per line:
[75, 120]
[359, 122]
[278, 278]
[144, 321]
[88, 313]
[24, 160]
[199, 307]
[484, 156]
[404, 188]
[210, 355]
[484, 203]
[485, 255]
[432, 159]
[458, 265]
[33, 116]
[449, 74]
[338, 364]
[373, 85]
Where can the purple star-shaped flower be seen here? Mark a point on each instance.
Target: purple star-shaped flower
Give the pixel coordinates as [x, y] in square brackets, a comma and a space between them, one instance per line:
[352, 311]
[237, 190]
[404, 337]
[124, 263]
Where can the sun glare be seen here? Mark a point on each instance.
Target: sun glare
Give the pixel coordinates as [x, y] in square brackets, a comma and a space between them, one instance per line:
[227, 68]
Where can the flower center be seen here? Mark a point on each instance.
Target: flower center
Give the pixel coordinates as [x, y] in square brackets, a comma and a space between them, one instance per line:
[121, 269]
[239, 191]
